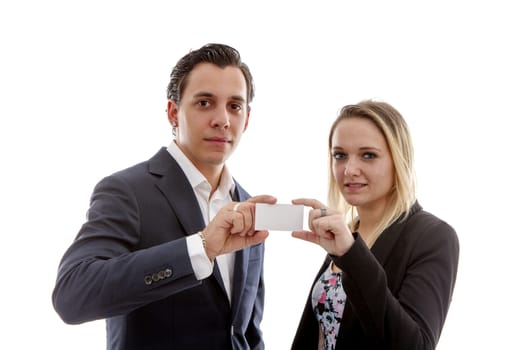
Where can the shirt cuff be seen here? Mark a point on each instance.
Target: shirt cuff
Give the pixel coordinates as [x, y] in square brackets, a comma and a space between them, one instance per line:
[201, 264]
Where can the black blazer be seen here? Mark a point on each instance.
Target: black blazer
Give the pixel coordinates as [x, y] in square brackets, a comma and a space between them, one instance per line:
[129, 264]
[398, 293]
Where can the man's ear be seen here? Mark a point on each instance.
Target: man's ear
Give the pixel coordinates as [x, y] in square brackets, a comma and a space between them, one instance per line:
[246, 121]
[172, 111]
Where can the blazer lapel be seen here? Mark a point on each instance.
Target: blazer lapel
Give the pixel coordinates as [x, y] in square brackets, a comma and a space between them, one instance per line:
[239, 278]
[388, 239]
[241, 262]
[381, 249]
[179, 193]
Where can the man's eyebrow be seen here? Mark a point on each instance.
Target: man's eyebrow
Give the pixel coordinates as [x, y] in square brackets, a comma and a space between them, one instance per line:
[239, 98]
[203, 94]
[209, 94]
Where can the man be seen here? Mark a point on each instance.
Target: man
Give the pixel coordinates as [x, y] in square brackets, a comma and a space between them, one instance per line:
[168, 254]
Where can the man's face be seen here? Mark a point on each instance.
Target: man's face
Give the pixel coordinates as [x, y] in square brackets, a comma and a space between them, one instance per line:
[211, 116]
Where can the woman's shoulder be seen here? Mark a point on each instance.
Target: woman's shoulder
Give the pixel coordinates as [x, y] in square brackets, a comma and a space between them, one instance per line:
[425, 225]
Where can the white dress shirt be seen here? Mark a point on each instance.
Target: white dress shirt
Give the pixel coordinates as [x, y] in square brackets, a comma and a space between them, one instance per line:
[202, 266]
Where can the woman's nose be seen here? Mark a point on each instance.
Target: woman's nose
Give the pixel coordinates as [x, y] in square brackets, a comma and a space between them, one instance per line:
[351, 167]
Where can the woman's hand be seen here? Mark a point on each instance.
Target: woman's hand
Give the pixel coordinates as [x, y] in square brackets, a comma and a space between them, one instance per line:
[327, 228]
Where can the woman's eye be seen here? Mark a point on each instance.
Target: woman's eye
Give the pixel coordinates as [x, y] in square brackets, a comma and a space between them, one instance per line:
[338, 155]
[369, 155]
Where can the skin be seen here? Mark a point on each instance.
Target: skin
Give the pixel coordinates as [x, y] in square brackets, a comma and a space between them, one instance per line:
[210, 118]
[232, 230]
[364, 172]
[363, 168]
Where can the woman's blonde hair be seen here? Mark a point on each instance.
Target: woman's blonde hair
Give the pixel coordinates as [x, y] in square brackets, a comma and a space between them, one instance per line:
[395, 131]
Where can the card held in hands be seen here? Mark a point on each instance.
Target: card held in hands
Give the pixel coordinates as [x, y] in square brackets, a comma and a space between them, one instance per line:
[279, 217]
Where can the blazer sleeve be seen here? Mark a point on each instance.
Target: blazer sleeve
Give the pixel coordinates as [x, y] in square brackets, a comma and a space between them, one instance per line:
[412, 316]
[103, 274]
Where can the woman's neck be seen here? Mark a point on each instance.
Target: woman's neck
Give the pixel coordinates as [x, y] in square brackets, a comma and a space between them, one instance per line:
[369, 217]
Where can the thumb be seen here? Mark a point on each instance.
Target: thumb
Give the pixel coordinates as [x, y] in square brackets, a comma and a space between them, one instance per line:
[258, 237]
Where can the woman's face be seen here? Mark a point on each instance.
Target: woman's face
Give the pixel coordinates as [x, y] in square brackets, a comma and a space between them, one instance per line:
[361, 163]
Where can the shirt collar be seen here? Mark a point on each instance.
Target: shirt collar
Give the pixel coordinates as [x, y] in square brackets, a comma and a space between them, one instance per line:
[195, 177]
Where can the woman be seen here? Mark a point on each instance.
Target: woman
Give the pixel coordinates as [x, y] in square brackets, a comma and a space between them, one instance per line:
[388, 278]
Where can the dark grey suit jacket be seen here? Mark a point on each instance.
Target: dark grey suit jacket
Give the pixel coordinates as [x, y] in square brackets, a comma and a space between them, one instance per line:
[129, 264]
[398, 293]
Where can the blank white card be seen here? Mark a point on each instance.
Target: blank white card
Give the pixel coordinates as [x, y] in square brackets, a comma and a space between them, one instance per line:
[279, 217]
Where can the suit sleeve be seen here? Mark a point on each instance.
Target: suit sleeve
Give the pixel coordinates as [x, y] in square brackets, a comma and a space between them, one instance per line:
[412, 318]
[103, 274]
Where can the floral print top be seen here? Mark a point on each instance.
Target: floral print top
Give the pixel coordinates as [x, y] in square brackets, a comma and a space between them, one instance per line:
[328, 302]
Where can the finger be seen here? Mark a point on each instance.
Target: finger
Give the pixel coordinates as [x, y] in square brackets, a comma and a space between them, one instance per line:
[264, 198]
[249, 212]
[249, 218]
[328, 235]
[236, 206]
[257, 237]
[306, 236]
[244, 212]
[324, 228]
[237, 222]
[315, 214]
[238, 242]
[309, 202]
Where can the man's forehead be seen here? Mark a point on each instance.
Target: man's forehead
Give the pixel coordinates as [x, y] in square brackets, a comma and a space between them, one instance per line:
[207, 79]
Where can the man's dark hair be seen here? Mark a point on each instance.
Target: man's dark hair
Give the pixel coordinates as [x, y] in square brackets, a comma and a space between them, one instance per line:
[218, 54]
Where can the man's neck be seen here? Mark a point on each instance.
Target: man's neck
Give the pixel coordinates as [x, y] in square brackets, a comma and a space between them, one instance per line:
[213, 176]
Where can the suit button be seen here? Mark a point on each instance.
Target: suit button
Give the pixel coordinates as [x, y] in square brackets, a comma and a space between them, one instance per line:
[148, 280]
[168, 272]
[162, 274]
[155, 277]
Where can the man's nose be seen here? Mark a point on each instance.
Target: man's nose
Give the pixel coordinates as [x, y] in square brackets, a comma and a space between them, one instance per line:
[221, 119]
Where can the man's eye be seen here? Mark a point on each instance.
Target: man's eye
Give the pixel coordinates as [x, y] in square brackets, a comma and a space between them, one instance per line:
[236, 106]
[203, 103]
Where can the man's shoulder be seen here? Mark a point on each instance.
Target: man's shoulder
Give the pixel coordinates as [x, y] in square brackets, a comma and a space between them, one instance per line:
[156, 165]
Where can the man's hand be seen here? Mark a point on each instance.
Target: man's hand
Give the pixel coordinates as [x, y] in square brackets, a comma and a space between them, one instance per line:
[233, 227]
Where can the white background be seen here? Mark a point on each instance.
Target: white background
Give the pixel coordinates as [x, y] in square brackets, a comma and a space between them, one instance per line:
[82, 94]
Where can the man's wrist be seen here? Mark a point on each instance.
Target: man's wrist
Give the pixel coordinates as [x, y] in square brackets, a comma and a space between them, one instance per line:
[200, 262]
[203, 239]
[204, 245]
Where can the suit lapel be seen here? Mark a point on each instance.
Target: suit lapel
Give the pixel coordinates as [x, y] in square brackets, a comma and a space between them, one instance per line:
[241, 262]
[178, 192]
[239, 278]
